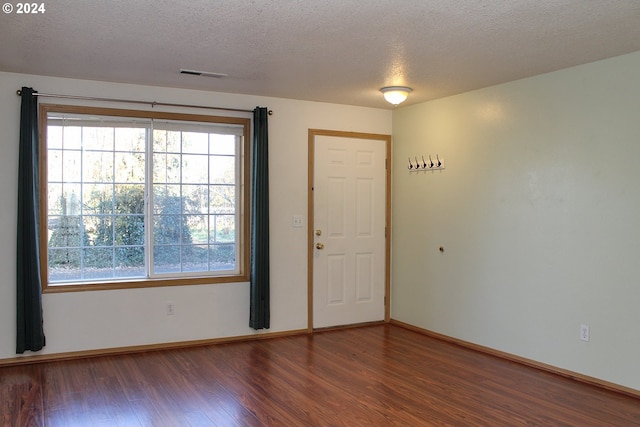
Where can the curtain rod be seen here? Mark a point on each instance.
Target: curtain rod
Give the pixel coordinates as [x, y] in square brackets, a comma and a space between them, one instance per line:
[132, 101]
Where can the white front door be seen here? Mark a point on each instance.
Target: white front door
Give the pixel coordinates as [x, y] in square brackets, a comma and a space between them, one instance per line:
[349, 221]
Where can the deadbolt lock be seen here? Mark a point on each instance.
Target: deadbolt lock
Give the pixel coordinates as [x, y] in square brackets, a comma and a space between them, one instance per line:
[318, 232]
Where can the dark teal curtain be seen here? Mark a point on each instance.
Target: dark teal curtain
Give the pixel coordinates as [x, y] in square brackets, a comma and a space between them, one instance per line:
[30, 332]
[259, 310]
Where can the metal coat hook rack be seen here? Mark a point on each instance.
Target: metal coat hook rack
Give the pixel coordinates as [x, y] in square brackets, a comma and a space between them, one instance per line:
[416, 165]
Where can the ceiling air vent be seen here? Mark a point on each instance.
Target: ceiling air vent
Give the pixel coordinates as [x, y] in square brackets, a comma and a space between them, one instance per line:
[202, 73]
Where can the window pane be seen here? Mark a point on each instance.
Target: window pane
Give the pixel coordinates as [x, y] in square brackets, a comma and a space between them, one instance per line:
[223, 144]
[54, 137]
[72, 138]
[171, 140]
[223, 228]
[195, 258]
[129, 259]
[195, 142]
[97, 166]
[99, 230]
[199, 208]
[168, 204]
[196, 196]
[99, 198]
[129, 199]
[67, 231]
[130, 139]
[54, 165]
[198, 228]
[195, 169]
[129, 167]
[129, 230]
[94, 138]
[167, 229]
[222, 199]
[159, 141]
[166, 259]
[98, 262]
[159, 168]
[166, 199]
[54, 206]
[95, 225]
[71, 166]
[223, 170]
[64, 265]
[166, 168]
[68, 202]
[131, 271]
[222, 257]
[172, 168]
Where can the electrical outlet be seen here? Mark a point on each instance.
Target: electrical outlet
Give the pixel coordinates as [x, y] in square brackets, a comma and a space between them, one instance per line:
[584, 332]
[170, 309]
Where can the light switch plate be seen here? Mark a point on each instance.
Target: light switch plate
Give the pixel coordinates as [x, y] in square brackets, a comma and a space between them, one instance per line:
[297, 221]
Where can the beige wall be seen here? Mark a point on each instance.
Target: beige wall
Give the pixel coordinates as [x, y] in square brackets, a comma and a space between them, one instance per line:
[538, 211]
[97, 320]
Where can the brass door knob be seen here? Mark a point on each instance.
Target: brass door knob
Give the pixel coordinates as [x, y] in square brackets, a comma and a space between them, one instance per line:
[319, 246]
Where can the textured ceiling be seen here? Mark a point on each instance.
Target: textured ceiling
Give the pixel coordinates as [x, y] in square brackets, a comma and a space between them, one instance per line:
[339, 51]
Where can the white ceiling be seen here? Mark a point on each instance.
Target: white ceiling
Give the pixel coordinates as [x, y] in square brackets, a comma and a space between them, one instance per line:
[340, 51]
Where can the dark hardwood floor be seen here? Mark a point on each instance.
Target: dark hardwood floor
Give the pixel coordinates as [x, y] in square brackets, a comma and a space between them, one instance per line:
[381, 375]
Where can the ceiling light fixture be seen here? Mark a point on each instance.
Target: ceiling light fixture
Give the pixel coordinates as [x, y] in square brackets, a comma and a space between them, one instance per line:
[395, 94]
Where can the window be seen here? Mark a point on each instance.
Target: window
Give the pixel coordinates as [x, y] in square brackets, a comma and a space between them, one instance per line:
[136, 198]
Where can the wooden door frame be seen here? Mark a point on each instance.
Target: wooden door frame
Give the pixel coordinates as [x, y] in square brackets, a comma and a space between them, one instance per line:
[310, 215]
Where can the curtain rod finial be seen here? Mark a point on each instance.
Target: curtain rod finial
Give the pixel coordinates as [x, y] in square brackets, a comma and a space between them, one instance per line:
[270, 112]
[19, 92]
